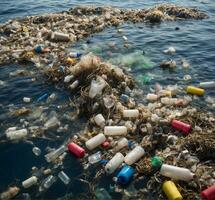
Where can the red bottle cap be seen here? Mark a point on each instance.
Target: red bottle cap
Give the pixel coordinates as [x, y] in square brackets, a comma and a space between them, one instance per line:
[76, 150]
[209, 193]
[181, 126]
[105, 144]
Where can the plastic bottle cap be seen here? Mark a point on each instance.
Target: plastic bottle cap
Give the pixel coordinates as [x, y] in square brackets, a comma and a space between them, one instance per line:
[156, 162]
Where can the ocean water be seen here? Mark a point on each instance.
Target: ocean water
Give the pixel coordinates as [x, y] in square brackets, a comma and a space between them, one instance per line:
[194, 41]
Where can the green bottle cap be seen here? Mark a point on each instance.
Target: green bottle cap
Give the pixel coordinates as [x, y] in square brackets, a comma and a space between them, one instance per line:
[156, 162]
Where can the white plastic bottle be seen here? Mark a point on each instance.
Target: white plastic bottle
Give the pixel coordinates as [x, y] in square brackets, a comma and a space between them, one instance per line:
[152, 97]
[176, 173]
[134, 155]
[209, 84]
[121, 143]
[114, 163]
[99, 120]
[16, 134]
[134, 113]
[64, 178]
[95, 141]
[115, 130]
[29, 182]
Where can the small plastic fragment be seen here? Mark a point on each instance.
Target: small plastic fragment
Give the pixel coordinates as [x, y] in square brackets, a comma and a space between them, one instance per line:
[94, 158]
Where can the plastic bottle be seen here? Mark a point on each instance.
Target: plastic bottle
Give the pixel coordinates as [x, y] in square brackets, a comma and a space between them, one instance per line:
[75, 149]
[114, 163]
[181, 126]
[49, 181]
[94, 158]
[60, 37]
[99, 120]
[74, 85]
[134, 113]
[176, 173]
[68, 78]
[26, 99]
[96, 86]
[95, 141]
[123, 142]
[152, 97]
[64, 178]
[55, 154]
[205, 85]
[75, 55]
[195, 90]
[16, 134]
[10, 193]
[134, 155]
[36, 151]
[125, 175]
[115, 130]
[29, 182]
[171, 191]
[209, 193]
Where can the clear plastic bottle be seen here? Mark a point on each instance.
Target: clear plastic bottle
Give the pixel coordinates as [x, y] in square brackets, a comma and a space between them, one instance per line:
[64, 178]
[49, 181]
[94, 158]
[54, 154]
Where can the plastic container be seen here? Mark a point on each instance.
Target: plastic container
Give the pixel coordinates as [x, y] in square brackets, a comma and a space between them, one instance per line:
[96, 86]
[181, 126]
[55, 154]
[75, 55]
[94, 158]
[16, 134]
[134, 155]
[99, 120]
[10, 193]
[195, 90]
[76, 150]
[95, 141]
[26, 99]
[29, 182]
[114, 163]
[123, 142]
[176, 173]
[115, 130]
[171, 191]
[60, 37]
[205, 85]
[49, 181]
[125, 175]
[131, 113]
[209, 193]
[64, 178]
[152, 97]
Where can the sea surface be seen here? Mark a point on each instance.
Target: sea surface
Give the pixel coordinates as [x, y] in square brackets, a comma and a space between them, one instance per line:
[194, 42]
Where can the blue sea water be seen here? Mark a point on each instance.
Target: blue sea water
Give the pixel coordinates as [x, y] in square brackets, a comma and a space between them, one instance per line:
[194, 41]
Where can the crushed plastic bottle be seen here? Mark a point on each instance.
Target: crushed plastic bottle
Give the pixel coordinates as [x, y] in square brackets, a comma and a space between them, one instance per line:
[94, 158]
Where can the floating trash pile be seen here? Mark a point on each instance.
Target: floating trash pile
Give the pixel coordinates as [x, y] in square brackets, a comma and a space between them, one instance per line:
[162, 147]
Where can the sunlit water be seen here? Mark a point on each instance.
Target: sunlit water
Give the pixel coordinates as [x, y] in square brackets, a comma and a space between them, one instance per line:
[194, 41]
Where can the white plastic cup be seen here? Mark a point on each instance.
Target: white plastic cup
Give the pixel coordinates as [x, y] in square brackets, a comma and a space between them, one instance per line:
[16, 134]
[121, 143]
[209, 84]
[115, 130]
[99, 120]
[114, 163]
[95, 141]
[176, 173]
[152, 97]
[29, 182]
[134, 113]
[134, 155]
